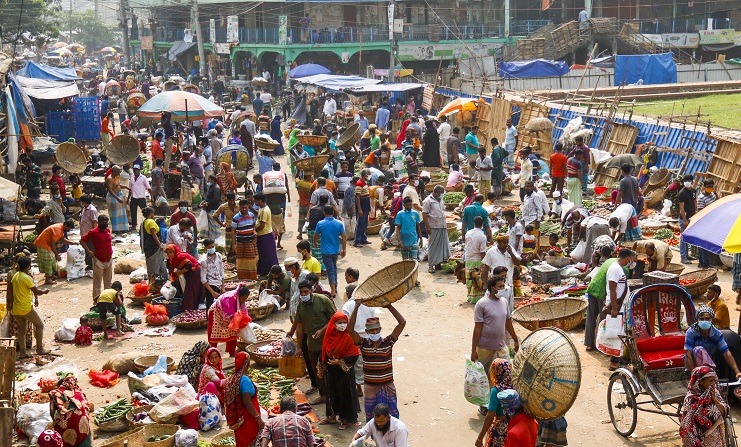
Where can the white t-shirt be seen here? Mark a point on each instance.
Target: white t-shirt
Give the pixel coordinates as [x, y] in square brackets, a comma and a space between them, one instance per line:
[475, 244]
[509, 138]
[443, 131]
[364, 313]
[623, 212]
[484, 163]
[516, 230]
[616, 274]
[495, 258]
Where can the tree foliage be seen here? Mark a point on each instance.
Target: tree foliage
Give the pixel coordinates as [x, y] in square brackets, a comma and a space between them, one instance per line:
[32, 21]
[88, 29]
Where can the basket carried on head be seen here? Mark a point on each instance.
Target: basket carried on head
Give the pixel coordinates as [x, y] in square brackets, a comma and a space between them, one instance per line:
[158, 431]
[388, 285]
[677, 269]
[562, 313]
[147, 361]
[71, 158]
[262, 359]
[134, 437]
[313, 164]
[349, 137]
[227, 434]
[260, 313]
[122, 149]
[267, 145]
[312, 140]
[544, 355]
[703, 279]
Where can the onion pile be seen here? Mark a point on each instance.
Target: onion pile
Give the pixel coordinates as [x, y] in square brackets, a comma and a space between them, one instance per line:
[273, 349]
[190, 316]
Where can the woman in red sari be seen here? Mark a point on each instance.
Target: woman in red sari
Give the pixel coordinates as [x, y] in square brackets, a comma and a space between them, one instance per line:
[402, 134]
[339, 354]
[185, 274]
[70, 412]
[242, 407]
[211, 379]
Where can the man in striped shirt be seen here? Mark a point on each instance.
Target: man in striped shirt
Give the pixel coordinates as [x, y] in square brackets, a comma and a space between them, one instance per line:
[378, 356]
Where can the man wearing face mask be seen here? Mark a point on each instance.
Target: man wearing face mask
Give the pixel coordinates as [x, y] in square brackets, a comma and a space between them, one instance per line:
[99, 238]
[386, 430]
[705, 198]
[212, 271]
[556, 209]
[617, 289]
[687, 208]
[703, 342]
[377, 352]
[312, 317]
[54, 208]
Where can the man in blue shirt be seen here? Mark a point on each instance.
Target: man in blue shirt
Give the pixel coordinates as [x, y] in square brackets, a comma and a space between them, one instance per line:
[469, 214]
[382, 116]
[472, 145]
[410, 231]
[704, 340]
[257, 104]
[332, 233]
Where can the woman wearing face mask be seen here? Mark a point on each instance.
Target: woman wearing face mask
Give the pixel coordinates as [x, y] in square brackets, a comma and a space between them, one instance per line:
[704, 345]
[339, 354]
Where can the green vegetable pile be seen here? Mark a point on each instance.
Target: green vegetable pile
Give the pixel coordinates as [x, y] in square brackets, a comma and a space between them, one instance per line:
[454, 235]
[267, 379]
[226, 441]
[549, 227]
[503, 230]
[29, 238]
[453, 198]
[449, 267]
[589, 204]
[663, 234]
[112, 412]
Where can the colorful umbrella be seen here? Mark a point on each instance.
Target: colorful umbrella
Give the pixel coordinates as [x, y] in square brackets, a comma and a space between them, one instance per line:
[62, 52]
[717, 227]
[107, 50]
[76, 47]
[458, 105]
[177, 102]
[59, 45]
[308, 70]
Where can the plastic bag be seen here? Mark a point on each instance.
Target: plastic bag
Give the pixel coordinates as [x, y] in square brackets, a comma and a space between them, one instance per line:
[139, 274]
[159, 367]
[613, 326]
[135, 383]
[154, 309]
[476, 385]
[67, 330]
[32, 419]
[173, 379]
[202, 221]
[197, 198]
[579, 251]
[239, 321]
[264, 299]
[168, 291]
[289, 347]
[103, 379]
[141, 288]
[186, 438]
[75, 266]
[608, 345]
[247, 335]
[161, 201]
[181, 402]
[210, 412]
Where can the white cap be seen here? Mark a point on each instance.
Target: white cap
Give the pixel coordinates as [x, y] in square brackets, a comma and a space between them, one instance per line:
[556, 194]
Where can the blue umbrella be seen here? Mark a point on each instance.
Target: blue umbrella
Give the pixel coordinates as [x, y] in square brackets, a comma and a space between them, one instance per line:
[308, 70]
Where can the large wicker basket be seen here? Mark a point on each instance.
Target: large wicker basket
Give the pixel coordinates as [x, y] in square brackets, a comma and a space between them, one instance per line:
[262, 359]
[558, 261]
[562, 313]
[221, 436]
[349, 137]
[265, 144]
[677, 269]
[657, 180]
[190, 325]
[314, 164]
[137, 410]
[388, 285]
[140, 300]
[312, 140]
[704, 278]
[115, 425]
[135, 438]
[374, 226]
[159, 430]
[544, 355]
[260, 313]
[148, 361]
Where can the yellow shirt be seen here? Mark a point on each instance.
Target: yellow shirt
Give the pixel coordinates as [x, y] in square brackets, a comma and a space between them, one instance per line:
[22, 294]
[721, 313]
[149, 225]
[313, 265]
[77, 192]
[107, 296]
[264, 215]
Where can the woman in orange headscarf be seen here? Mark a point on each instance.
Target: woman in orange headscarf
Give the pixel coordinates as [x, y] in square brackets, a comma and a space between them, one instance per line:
[339, 354]
[226, 180]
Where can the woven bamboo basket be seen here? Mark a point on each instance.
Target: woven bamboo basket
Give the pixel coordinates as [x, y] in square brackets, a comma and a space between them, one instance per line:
[134, 437]
[450, 206]
[656, 198]
[314, 164]
[148, 361]
[265, 144]
[190, 325]
[312, 140]
[562, 313]
[230, 276]
[115, 425]
[262, 359]
[431, 186]
[349, 137]
[558, 261]
[140, 300]
[543, 355]
[704, 277]
[260, 313]
[677, 269]
[221, 436]
[137, 410]
[657, 180]
[374, 226]
[159, 430]
[388, 285]
[451, 226]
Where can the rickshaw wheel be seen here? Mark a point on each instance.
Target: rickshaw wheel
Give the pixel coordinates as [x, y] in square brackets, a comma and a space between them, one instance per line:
[621, 403]
[730, 433]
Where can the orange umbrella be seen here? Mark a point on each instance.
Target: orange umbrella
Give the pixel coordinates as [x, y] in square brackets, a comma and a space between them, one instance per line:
[460, 104]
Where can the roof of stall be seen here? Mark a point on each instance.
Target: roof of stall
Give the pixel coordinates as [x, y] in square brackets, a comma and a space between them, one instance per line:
[375, 88]
[337, 82]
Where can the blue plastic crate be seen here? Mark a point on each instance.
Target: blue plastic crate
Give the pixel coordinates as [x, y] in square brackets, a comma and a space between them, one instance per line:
[60, 125]
[87, 118]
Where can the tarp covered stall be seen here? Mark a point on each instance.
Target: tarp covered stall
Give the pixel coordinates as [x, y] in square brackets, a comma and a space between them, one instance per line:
[538, 68]
[48, 89]
[648, 68]
[337, 82]
[47, 72]
[380, 88]
[178, 48]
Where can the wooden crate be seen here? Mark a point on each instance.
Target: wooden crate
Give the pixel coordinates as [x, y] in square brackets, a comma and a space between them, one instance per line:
[7, 369]
[724, 166]
[621, 139]
[7, 415]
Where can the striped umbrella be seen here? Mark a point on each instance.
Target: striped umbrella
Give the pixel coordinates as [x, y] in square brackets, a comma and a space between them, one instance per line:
[177, 102]
[717, 227]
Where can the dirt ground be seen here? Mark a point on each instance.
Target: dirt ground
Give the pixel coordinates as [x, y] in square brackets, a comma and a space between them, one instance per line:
[428, 359]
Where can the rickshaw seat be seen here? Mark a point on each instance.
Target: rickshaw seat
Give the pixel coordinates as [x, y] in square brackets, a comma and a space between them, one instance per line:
[665, 351]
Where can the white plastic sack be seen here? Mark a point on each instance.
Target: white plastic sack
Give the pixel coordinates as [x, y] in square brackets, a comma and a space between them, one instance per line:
[202, 221]
[32, 419]
[173, 379]
[75, 266]
[181, 402]
[67, 330]
[138, 275]
[210, 415]
[168, 291]
[666, 210]
[579, 252]
[613, 326]
[160, 366]
[161, 201]
[264, 299]
[186, 438]
[476, 385]
[247, 335]
[608, 345]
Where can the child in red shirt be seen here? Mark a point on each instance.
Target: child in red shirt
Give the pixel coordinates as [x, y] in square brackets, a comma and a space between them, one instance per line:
[84, 335]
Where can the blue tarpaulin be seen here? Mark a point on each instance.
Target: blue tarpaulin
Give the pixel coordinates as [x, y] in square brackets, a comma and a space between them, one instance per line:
[648, 68]
[41, 71]
[538, 68]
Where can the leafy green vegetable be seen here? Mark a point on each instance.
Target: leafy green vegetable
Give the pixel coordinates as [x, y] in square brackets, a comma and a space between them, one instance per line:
[453, 198]
[663, 234]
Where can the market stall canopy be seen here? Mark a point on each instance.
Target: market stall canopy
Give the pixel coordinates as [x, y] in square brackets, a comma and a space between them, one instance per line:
[538, 68]
[338, 82]
[460, 104]
[178, 102]
[9, 190]
[717, 227]
[177, 49]
[308, 70]
[48, 89]
[46, 72]
[376, 88]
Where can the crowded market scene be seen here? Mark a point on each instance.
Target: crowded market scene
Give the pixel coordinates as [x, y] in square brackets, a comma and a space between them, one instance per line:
[308, 257]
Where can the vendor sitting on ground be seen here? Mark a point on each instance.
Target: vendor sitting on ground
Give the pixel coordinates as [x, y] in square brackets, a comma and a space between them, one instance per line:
[658, 254]
[554, 248]
[468, 200]
[455, 179]
[722, 319]
[704, 345]
[278, 283]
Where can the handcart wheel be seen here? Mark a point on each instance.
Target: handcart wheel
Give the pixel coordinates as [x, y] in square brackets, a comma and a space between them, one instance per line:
[730, 433]
[621, 403]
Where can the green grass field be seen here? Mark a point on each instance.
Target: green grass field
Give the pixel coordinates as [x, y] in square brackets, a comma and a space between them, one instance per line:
[721, 110]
